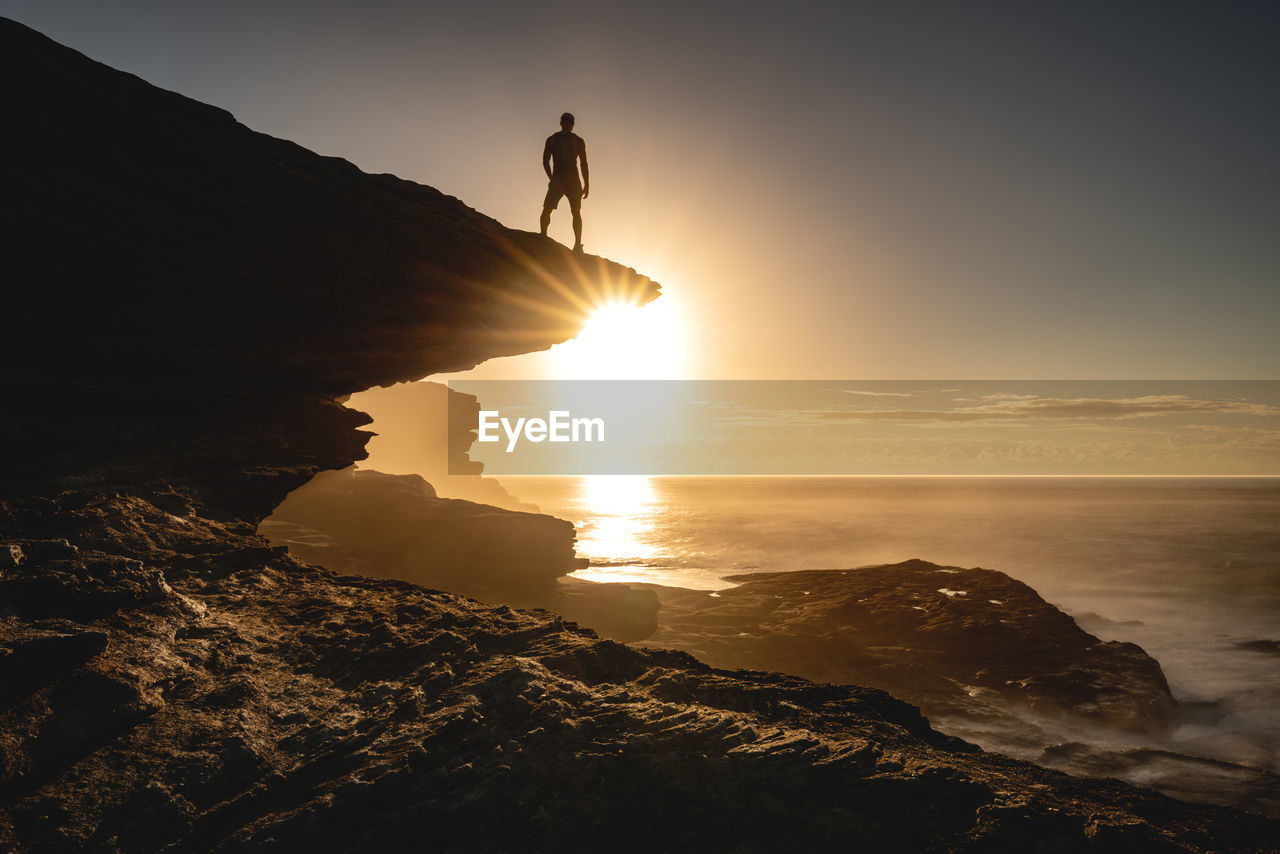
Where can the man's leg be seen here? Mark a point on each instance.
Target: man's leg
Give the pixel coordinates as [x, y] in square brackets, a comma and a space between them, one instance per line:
[576, 208]
[549, 203]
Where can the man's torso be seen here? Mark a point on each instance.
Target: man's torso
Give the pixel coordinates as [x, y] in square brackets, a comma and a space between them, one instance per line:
[565, 146]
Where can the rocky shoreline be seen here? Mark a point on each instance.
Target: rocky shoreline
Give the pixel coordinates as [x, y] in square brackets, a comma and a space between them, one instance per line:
[981, 654]
[176, 685]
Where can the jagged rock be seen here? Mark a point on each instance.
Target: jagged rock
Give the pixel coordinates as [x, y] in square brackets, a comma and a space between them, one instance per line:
[32, 653]
[983, 656]
[77, 583]
[937, 636]
[11, 556]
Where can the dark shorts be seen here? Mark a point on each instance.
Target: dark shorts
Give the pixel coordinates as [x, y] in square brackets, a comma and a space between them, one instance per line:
[563, 188]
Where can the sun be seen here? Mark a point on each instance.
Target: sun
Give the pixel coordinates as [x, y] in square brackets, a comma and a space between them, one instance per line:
[625, 341]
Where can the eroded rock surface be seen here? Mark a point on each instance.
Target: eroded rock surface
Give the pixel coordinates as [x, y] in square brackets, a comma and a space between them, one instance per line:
[982, 655]
[222, 696]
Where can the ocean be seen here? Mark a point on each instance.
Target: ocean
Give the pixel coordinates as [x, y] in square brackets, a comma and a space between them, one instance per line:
[1188, 568]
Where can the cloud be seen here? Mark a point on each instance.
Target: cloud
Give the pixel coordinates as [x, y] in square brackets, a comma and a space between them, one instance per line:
[1004, 408]
[877, 393]
[947, 455]
[1128, 407]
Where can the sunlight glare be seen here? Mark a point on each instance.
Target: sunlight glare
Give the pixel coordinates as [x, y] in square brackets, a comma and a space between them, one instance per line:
[624, 341]
[618, 538]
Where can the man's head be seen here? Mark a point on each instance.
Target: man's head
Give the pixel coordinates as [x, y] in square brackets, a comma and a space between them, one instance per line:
[566, 121]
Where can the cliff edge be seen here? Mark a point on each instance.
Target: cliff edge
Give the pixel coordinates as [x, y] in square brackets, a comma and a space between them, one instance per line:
[171, 273]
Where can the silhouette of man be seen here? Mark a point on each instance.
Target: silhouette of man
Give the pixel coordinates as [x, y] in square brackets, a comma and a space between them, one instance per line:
[560, 158]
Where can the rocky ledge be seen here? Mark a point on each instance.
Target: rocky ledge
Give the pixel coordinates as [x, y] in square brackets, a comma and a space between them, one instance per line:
[186, 298]
[395, 526]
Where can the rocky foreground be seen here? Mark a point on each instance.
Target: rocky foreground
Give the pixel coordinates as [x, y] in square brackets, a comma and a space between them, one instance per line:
[980, 653]
[172, 684]
[191, 299]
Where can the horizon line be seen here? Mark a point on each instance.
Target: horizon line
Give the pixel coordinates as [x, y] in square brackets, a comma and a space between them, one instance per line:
[796, 476]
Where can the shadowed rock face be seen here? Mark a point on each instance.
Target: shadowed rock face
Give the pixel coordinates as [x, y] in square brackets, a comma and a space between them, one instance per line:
[170, 272]
[428, 429]
[190, 297]
[394, 526]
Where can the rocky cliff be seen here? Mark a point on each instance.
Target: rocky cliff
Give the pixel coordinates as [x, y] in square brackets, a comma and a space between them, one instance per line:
[175, 281]
[186, 299]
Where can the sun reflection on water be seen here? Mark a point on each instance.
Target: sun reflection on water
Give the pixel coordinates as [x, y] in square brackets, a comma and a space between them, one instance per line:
[618, 538]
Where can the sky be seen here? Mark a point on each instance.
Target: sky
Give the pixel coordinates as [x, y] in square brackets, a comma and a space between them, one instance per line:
[856, 190]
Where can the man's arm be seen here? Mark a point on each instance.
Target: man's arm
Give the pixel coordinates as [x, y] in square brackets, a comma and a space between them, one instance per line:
[546, 158]
[586, 173]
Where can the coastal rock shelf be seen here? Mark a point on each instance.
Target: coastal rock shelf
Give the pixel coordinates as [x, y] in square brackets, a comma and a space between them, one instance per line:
[935, 635]
[394, 526]
[983, 656]
[187, 300]
[170, 682]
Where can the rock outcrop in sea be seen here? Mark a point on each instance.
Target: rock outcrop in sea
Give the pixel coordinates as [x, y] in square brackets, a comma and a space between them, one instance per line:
[982, 655]
[939, 636]
[186, 302]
